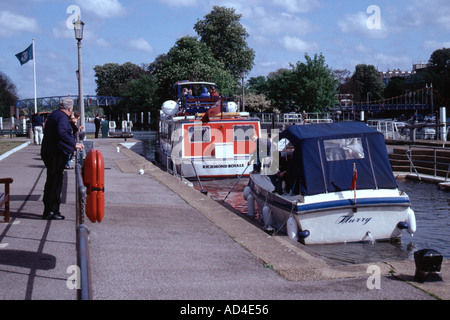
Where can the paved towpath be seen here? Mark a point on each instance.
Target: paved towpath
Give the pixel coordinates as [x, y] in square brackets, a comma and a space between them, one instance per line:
[161, 239]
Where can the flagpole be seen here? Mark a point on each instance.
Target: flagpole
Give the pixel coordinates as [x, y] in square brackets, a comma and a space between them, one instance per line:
[34, 67]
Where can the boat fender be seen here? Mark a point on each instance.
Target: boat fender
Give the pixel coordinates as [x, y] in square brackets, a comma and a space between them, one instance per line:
[246, 192]
[170, 108]
[251, 205]
[304, 234]
[94, 181]
[292, 228]
[267, 216]
[411, 221]
[403, 225]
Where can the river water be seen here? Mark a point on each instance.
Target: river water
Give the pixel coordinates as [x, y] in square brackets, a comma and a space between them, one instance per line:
[431, 207]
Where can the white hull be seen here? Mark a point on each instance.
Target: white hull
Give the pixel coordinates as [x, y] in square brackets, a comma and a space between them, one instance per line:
[333, 217]
[207, 167]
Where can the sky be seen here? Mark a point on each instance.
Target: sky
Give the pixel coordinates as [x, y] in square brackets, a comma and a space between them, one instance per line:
[392, 34]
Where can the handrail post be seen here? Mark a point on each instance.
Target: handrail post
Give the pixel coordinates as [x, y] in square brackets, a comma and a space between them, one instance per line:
[82, 235]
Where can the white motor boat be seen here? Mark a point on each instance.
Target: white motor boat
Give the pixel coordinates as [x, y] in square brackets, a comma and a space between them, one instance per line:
[338, 187]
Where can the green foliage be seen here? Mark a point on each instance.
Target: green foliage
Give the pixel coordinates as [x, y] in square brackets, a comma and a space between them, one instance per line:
[308, 86]
[111, 78]
[257, 85]
[139, 94]
[439, 74]
[223, 33]
[192, 60]
[8, 94]
[367, 79]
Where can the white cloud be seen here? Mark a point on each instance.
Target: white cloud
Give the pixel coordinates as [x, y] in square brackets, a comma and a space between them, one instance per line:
[297, 6]
[102, 8]
[433, 45]
[428, 13]
[141, 44]
[298, 45]
[11, 24]
[272, 23]
[356, 24]
[102, 43]
[179, 3]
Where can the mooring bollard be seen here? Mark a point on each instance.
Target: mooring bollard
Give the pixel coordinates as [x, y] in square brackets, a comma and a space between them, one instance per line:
[428, 265]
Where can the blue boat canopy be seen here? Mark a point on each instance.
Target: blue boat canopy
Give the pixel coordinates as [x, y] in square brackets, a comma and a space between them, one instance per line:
[326, 156]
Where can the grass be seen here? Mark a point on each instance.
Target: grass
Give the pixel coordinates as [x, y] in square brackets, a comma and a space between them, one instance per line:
[7, 145]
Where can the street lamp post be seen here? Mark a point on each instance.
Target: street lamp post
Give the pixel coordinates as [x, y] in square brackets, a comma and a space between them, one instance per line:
[243, 92]
[78, 27]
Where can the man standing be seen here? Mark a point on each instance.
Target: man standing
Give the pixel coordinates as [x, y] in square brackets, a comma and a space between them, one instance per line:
[97, 125]
[57, 144]
[38, 124]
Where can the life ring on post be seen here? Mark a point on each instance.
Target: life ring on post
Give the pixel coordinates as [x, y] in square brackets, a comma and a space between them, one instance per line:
[94, 181]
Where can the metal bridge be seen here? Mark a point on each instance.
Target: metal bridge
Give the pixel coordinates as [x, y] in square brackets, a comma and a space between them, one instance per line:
[412, 100]
[50, 103]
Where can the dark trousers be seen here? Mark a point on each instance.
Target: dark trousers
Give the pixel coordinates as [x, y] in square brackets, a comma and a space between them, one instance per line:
[53, 185]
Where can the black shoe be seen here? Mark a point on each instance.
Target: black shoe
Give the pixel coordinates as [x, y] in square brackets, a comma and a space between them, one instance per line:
[53, 216]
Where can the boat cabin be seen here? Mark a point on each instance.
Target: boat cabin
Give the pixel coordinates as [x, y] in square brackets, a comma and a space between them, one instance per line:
[327, 157]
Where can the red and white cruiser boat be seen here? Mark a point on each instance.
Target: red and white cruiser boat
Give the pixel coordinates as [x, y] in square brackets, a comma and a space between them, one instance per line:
[201, 135]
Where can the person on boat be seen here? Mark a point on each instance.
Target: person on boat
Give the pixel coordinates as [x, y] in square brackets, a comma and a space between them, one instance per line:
[205, 93]
[263, 150]
[280, 163]
[213, 92]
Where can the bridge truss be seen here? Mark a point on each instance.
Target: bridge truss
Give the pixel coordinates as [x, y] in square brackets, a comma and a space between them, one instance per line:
[51, 103]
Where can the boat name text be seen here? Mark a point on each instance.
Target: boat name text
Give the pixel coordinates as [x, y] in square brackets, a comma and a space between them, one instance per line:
[352, 219]
[221, 166]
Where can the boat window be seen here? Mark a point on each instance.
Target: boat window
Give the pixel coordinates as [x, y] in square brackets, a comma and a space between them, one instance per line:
[199, 134]
[344, 149]
[243, 132]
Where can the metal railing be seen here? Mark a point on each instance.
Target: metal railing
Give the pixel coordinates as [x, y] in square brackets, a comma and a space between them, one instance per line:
[435, 163]
[82, 234]
[293, 117]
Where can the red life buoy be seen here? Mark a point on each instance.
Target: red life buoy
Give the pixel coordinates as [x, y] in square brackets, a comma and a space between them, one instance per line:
[94, 181]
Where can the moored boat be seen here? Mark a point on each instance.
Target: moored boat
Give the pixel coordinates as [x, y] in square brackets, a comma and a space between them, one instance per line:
[337, 186]
[204, 136]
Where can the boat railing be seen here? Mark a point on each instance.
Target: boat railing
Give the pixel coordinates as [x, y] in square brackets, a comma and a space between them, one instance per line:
[391, 129]
[300, 118]
[201, 104]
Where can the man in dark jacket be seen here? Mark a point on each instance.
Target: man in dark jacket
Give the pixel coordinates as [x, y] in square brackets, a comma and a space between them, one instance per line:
[57, 144]
[97, 123]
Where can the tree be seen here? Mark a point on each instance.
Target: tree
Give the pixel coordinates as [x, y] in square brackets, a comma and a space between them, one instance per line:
[8, 94]
[366, 79]
[192, 60]
[257, 103]
[222, 31]
[308, 86]
[257, 85]
[439, 74]
[111, 78]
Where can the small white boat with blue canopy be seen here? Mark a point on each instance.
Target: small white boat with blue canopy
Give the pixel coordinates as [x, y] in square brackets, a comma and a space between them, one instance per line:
[337, 186]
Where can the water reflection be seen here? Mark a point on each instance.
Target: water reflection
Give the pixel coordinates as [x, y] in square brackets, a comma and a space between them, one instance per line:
[430, 205]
